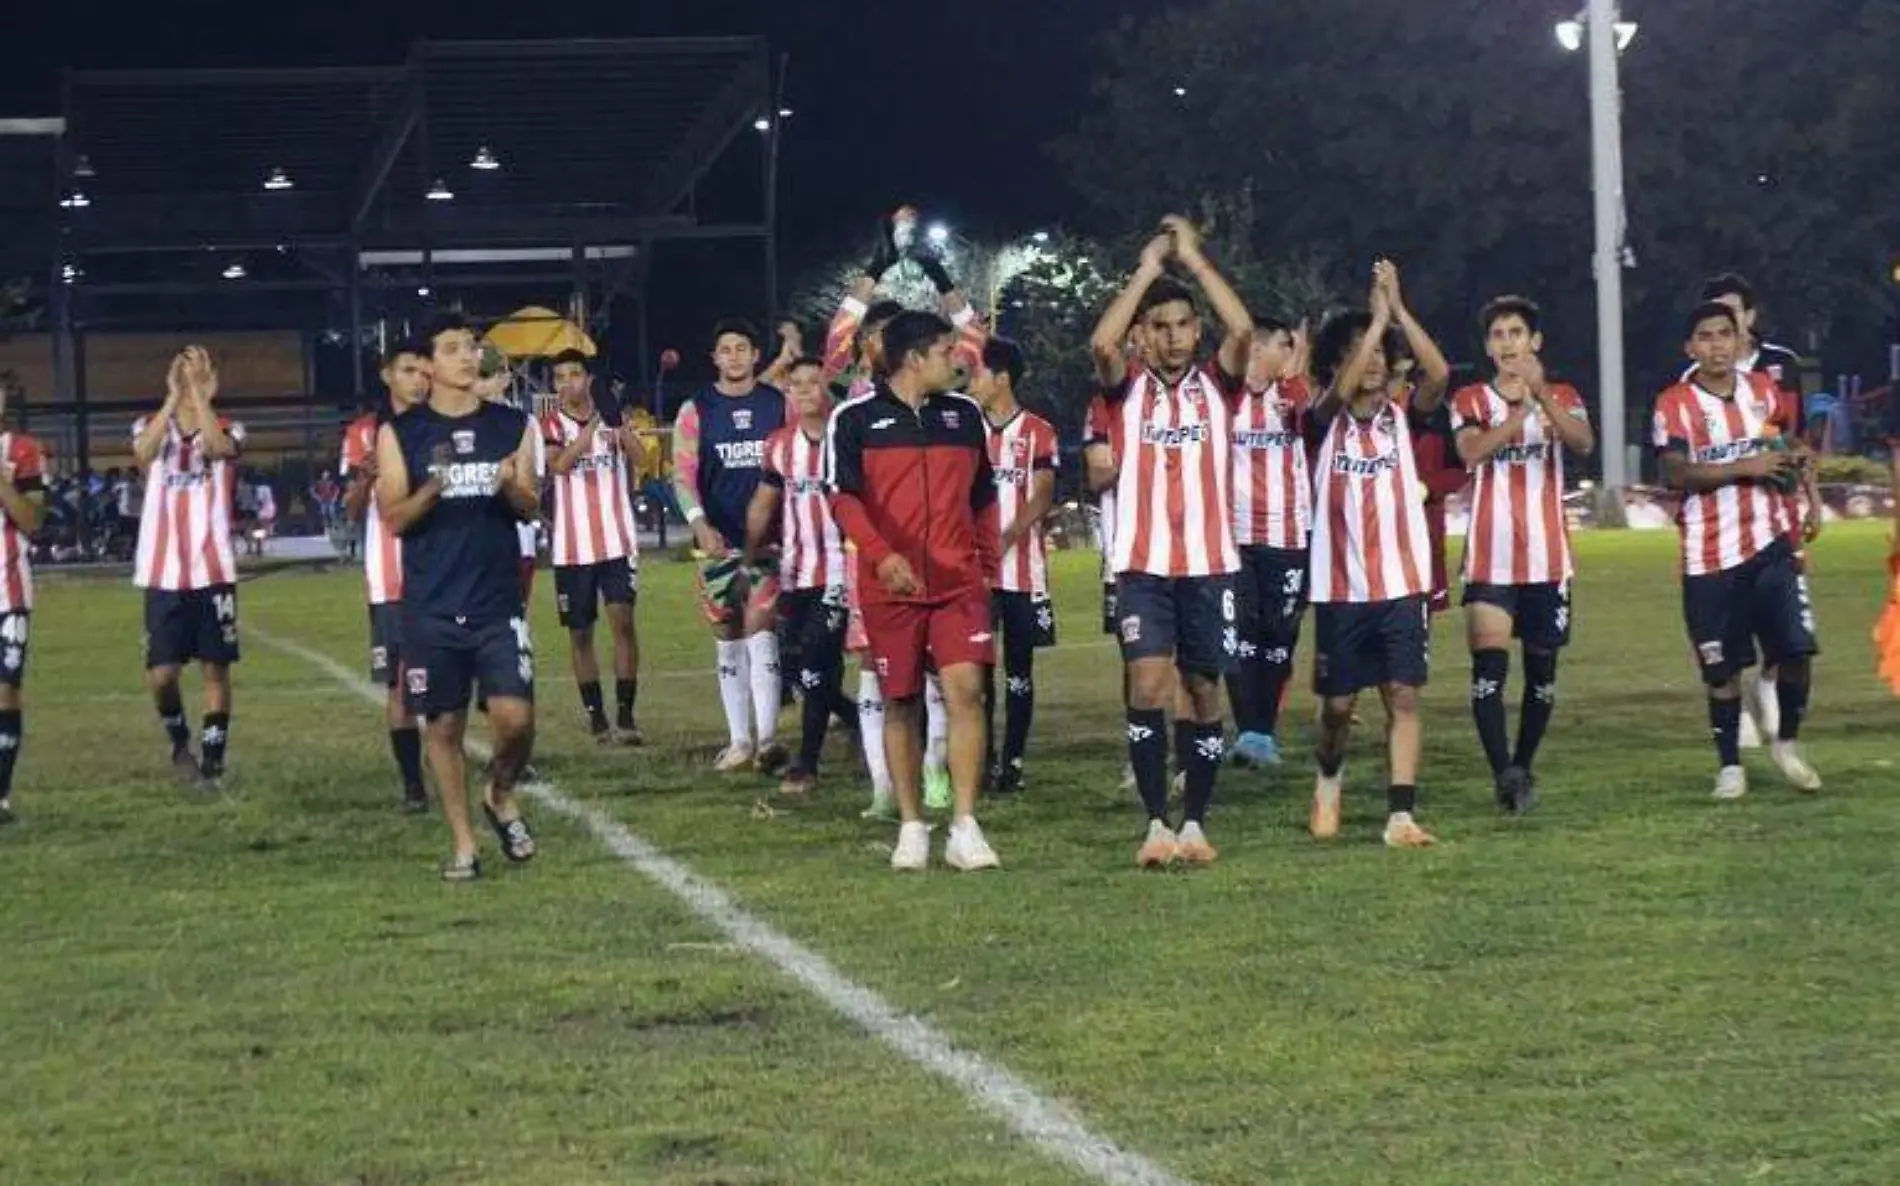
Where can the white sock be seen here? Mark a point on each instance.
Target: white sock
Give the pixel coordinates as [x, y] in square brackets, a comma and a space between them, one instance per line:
[1767, 708]
[937, 732]
[734, 673]
[766, 686]
[871, 731]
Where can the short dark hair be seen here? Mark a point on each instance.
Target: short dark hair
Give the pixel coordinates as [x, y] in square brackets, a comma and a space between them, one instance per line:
[1706, 311]
[575, 357]
[736, 325]
[1729, 284]
[875, 318]
[1266, 327]
[1164, 291]
[410, 344]
[447, 322]
[1335, 338]
[805, 360]
[1003, 356]
[1508, 305]
[911, 332]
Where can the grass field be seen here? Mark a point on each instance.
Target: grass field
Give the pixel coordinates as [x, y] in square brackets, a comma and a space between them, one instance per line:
[1635, 985]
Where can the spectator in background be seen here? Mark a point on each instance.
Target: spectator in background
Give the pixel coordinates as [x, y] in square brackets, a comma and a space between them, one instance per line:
[266, 514]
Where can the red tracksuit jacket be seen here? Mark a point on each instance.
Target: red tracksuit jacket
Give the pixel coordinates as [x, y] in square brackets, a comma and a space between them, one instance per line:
[916, 483]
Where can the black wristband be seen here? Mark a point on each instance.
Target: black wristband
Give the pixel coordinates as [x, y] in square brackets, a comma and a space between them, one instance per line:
[933, 268]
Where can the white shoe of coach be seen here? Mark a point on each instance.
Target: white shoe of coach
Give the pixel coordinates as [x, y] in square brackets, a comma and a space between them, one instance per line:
[1731, 783]
[1801, 776]
[912, 853]
[966, 849]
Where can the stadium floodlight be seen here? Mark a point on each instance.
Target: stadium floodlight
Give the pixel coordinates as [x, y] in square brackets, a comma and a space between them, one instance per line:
[422, 290]
[762, 124]
[1040, 236]
[938, 233]
[1570, 34]
[75, 200]
[278, 179]
[82, 167]
[1180, 92]
[70, 273]
[440, 192]
[785, 113]
[485, 160]
[234, 271]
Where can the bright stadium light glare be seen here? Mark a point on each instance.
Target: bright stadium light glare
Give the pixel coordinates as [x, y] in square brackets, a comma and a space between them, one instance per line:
[1180, 92]
[234, 271]
[1570, 35]
[1040, 236]
[762, 124]
[485, 160]
[82, 167]
[440, 192]
[278, 179]
[785, 113]
[76, 200]
[938, 233]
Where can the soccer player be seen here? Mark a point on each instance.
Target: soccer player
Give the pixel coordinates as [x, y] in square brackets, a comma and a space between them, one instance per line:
[812, 611]
[453, 477]
[596, 549]
[911, 488]
[1174, 536]
[1272, 509]
[1760, 709]
[1512, 433]
[185, 560]
[718, 448]
[1717, 439]
[22, 502]
[1371, 579]
[406, 375]
[1022, 447]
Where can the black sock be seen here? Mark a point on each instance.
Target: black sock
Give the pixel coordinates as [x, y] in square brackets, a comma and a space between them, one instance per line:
[1725, 724]
[1793, 701]
[814, 716]
[1401, 797]
[406, 744]
[216, 735]
[1276, 670]
[1148, 754]
[1243, 685]
[1203, 763]
[1019, 709]
[1183, 742]
[626, 691]
[12, 732]
[596, 712]
[1540, 701]
[171, 714]
[989, 718]
[1489, 669]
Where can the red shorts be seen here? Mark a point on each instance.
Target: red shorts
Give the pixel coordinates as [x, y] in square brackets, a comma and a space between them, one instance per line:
[904, 635]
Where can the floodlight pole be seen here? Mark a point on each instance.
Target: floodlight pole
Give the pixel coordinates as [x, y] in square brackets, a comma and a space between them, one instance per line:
[1606, 169]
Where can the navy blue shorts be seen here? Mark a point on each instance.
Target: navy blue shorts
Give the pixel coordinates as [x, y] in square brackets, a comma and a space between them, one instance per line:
[444, 659]
[1540, 613]
[1765, 598]
[1359, 645]
[1188, 619]
[1270, 597]
[199, 624]
[580, 589]
[15, 634]
[1027, 621]
[385, 643]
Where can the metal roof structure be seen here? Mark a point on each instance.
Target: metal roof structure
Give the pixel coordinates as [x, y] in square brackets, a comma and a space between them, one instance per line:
[320, 197]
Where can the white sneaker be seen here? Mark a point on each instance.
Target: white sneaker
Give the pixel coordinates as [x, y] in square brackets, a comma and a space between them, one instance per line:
[1323, 822]
[912, 854]
[1731, 783]
[966, 849]
[1794, 767]
[734, 758]
[1749, 735]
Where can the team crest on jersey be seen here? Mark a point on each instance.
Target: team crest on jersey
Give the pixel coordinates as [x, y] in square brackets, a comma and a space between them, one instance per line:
[1131, 628]
[742, 419]
[1711, 653]
[463, 439]
[1021, 447]
[952, 418]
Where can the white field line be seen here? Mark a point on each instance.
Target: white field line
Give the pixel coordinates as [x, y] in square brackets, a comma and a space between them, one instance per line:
[994, 1089]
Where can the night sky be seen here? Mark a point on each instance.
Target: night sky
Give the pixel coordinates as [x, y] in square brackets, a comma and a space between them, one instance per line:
[899, 98]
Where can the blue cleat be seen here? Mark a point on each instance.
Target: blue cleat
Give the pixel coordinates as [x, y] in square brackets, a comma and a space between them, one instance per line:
[1257, 749]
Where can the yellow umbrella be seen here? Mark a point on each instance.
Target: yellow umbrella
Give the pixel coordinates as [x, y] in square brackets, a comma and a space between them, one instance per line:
[536, 332]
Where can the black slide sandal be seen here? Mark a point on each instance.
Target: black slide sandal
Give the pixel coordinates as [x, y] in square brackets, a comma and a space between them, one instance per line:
[517, 842]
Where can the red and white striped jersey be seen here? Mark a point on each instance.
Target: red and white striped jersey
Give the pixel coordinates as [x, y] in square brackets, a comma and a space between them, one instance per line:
[27, 460]
[811, 550]
[1517, 533]
[185, 529]
[1174, 510]
[1104, 428]
[593, 502]
[1725, 527]
[1273, 494]
[382, 548]
[1369, 535]
[1019, 450]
